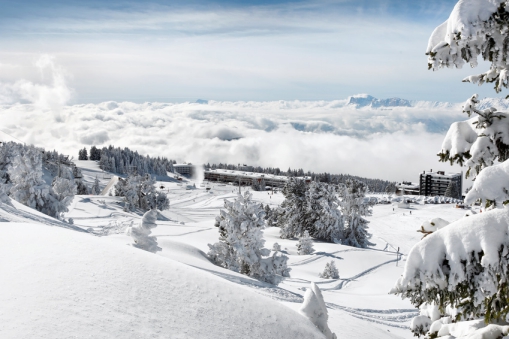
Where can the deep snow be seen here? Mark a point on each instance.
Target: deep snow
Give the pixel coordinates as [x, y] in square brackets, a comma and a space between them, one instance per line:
[97, 285]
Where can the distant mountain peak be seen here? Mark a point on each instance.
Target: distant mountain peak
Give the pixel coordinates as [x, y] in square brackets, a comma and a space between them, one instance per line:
[366, 100]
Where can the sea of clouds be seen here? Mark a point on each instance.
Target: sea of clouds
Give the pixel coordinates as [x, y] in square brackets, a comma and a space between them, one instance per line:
[394, 143]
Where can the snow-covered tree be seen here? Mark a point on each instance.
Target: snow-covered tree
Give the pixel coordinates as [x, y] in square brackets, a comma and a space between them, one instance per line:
[276, 247]
[268, 212]
[354, 207]
[291, 218]
[315, 310]
[25, 175]
[323, 218]
[240, 247]
[61, 195]
[141, 233]
[305, 244]
[140, 192]
[330, 271]
[463, 269]
[81, 188]
[96, 189]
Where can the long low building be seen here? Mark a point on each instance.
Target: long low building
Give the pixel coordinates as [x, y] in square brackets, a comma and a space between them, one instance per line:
[247, 178]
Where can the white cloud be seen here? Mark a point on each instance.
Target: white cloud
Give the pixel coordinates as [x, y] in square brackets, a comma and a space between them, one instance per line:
[394, 144]
[50, 95]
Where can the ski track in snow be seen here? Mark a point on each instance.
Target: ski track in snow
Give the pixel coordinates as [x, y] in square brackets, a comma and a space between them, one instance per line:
[388, 317]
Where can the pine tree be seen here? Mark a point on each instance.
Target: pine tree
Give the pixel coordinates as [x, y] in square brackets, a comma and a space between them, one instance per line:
[61, 195]
[82, 154]
[95, 154]
[305, 244]
[268, 212]
[276, 247]
[323, 219]
[466, 270]
[81, 188]
[354, 208]
[96, 189]
[330, 271]
[240, 247]
[27, 185]
[449, 190]
[292, 216]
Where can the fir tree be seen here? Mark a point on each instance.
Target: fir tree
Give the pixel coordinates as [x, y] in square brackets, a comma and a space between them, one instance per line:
[96, 189]
[240, 247]
[292, 218]
[330, 271]
[466, 272]
[323, 219]
[449, 191]
[354, 208]
[305, 244]
[25, 176]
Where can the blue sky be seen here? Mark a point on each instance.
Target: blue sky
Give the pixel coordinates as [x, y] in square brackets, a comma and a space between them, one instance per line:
[231, 50]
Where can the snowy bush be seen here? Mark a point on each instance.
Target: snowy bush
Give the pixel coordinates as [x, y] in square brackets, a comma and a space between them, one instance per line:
[141, 233]
[305, 244]
[315, 310]
[354, 207]
[330, 271]
[240, 247]
[276, 247]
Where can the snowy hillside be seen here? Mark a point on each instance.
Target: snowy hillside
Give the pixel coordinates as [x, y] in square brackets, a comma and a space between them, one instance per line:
[92, 277]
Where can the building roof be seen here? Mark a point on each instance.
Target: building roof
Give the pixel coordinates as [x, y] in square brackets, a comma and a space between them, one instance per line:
[448, 175]
[251, 175]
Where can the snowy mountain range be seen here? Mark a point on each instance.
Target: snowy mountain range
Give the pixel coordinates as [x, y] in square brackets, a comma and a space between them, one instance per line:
[369, 101]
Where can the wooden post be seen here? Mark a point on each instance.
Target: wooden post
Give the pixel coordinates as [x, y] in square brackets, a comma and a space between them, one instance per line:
[397, 257]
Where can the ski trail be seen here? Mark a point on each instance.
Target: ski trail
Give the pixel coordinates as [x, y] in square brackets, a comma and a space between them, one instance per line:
[363, 273]
[388, 317]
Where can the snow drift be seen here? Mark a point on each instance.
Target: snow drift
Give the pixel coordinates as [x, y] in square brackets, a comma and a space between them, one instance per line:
[60, 284]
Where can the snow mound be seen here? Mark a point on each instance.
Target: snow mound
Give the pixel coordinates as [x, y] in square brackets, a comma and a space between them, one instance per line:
[60, 283]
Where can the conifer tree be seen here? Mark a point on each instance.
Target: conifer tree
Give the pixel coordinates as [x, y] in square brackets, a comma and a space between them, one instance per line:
[291, 220]
[466, 266]
[240, 246]
[330, 271]
[305, 244]
[354, 208]
[27, 185]
[323, 219]
[96, 189]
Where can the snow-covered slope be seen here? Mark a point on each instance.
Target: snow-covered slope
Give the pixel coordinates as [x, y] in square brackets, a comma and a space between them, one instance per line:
[58, 283]
[91, 276]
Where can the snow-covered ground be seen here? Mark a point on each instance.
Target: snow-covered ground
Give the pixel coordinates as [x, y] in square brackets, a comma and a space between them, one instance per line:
[62, 283]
